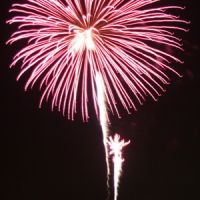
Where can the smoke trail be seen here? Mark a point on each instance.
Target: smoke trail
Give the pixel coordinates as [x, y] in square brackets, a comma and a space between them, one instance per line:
[103, 117]
[116, 146]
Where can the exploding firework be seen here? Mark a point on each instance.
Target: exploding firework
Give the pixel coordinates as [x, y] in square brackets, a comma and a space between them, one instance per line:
[69, 41]
[116, 146]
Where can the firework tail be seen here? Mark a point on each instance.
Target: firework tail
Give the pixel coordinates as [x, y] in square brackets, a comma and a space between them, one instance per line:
[103, 117]
[116, 146]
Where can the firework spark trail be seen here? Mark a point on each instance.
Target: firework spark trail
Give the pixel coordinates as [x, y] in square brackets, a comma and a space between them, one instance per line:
[103, 117]
[69, 41]
[116, 146]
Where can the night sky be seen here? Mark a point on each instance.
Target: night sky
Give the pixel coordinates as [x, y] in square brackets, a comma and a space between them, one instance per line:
[47, 157]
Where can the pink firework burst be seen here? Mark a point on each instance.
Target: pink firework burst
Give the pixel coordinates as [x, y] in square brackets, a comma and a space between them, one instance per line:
[70, 41]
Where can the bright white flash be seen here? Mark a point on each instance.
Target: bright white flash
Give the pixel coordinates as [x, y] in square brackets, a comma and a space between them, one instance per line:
[103, 117]
[116, 146]
[83, 39]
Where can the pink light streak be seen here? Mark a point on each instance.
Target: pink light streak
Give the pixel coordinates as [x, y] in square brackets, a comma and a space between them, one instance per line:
[116, 146]
[69, 41]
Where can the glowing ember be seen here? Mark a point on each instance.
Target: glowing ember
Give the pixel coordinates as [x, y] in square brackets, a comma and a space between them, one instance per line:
[116, 146]
[69, 41]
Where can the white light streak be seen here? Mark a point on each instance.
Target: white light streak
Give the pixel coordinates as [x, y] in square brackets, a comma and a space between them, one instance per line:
[103, 117]
[116, 146]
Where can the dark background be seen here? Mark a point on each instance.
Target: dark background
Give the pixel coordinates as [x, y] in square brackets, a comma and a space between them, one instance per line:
[45, 156]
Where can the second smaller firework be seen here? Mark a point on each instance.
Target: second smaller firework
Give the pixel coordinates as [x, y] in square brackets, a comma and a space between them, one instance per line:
[116, 146]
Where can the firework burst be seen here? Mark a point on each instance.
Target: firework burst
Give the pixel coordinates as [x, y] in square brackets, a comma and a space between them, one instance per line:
[69, 41]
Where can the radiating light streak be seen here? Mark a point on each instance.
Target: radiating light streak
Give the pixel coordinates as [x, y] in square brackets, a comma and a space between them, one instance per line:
[116, 146]
[69, 41]
[103, 117]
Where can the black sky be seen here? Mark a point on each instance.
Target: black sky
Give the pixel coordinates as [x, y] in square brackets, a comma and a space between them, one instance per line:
[47, 157]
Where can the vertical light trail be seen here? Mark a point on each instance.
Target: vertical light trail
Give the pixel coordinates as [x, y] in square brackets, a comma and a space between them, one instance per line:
[116, 146]
[103, 117]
